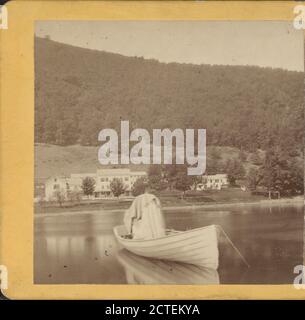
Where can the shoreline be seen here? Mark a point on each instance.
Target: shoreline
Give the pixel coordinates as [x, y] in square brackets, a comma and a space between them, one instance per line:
[273, 202]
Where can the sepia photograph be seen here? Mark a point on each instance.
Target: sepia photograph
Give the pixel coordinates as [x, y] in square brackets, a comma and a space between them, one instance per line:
[168, 152]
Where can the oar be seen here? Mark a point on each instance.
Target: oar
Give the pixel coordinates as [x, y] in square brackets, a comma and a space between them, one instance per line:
[234, 247]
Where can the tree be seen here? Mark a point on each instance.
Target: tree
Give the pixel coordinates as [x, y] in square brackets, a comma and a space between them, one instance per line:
[253, 178]
[268, 170]
[139, 187]
[282, 173]
[88, 186]
[235, 171]
[213, 165]
[74, 196]
[195, 180]
[156, 177]
[256, 159]
[170, 174]
[60, 197]
[117, 187]
[183, 182]
[297, 174]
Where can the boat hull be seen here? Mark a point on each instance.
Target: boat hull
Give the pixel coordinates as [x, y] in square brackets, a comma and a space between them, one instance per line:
[197, 246]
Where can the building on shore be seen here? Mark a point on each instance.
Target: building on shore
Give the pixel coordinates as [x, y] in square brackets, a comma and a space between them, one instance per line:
[214, 182]
[102, 178]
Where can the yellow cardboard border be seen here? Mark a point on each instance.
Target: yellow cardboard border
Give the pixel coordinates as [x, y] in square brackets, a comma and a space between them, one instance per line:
[17, 141]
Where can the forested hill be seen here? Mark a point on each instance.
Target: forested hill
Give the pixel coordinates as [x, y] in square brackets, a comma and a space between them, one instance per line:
[79, 91]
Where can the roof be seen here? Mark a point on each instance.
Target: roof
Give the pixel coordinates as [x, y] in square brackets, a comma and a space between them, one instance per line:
[218, 175]
[83, 175]
[118, 172]
[100, 172]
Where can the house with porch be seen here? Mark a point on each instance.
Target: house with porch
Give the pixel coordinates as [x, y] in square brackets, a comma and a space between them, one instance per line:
[214, 182]
[102, 178]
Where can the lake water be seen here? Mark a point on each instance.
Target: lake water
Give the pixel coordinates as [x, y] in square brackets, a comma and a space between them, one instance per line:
[81, 248]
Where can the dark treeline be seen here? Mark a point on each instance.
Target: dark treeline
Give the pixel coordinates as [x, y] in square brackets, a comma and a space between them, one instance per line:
[78, 92]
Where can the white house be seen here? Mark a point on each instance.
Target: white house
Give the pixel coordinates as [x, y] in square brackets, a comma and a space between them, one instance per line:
[102, 178]
[215, 182]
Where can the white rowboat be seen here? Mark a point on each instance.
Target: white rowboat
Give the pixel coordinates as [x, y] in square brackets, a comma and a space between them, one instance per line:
[197, 246]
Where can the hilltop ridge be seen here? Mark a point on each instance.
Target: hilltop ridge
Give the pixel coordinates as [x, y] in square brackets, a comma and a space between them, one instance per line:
[80, 91]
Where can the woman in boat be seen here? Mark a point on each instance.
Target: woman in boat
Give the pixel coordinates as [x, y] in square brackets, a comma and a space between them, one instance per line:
[144, 218]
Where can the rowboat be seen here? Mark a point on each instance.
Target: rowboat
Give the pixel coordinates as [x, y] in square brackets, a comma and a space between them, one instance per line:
[197, 246]
[140, 270]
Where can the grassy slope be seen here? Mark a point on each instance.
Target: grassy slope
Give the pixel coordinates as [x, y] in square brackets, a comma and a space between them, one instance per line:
[52, 160]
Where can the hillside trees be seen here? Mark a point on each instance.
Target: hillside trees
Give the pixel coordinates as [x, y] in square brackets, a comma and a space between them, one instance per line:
[235, 170]
[282, 173]
[240, 106]
[253, 178]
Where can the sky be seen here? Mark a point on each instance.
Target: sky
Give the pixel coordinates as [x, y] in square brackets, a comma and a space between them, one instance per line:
[261, 43]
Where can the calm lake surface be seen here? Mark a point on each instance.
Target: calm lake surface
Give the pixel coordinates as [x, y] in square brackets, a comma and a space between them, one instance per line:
[81, 248]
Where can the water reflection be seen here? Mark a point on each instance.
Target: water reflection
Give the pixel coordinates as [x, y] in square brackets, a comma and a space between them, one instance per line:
[77, 259]
[75, 247]
[140, 270]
